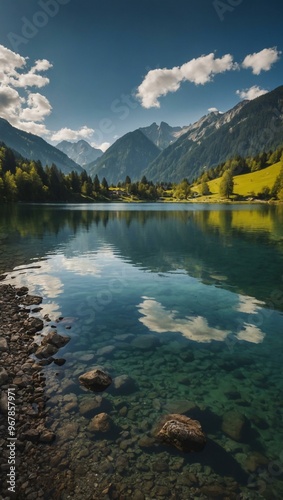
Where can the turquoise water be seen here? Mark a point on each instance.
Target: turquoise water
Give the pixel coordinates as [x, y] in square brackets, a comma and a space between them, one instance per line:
[186, 301]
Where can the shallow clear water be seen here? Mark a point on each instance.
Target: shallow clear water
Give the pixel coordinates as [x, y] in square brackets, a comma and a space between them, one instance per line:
[186, 300]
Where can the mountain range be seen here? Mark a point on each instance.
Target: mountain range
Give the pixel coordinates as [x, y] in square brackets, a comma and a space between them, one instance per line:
[81, 152]
[130, 155]
[165, 153]
[32, 147]
[249, 128]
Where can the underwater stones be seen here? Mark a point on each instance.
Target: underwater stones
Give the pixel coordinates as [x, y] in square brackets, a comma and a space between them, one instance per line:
[105, 350]
[124, 337]
[232, 395]
[160, 466]
[146, 442]
[47, 436]
[181, 432]
[235, 425]
[55, 339]
[67, 431]
[95, 380]
[88, 405]
[180, 406]
[86, 357]
[124, 384]
[46, 351]
[100, 423]
[255, 460]
[145, 342]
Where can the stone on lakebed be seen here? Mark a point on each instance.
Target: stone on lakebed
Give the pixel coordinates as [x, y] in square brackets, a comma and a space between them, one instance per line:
[181, 432]
[95, 380]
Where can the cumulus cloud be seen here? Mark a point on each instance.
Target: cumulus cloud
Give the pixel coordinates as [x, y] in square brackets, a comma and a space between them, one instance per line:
[261, 61]
[104, 146]
[10, 103]
[201, 70]
[38, 107]
[67, 134]
[251, 93]
[20, 105]
[213, 110]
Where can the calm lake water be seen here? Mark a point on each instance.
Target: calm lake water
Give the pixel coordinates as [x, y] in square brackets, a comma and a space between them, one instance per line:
[186, 302]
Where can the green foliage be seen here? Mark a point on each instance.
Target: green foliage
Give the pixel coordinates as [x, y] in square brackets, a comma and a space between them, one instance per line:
[27, 181]
[277, 189]
[227, 184]
[182, 191]
[204, 188]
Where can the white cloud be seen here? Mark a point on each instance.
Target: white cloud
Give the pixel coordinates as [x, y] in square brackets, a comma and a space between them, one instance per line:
[9, 62]
[22, 107]
[29, 79]
[104, 146]
[38, 107]
[33, 128]
[203, 69]
[10, 103]
[261, 61]
[159, 82]
[251, 93]
[41, 65]
[67, 134]
[213, 110]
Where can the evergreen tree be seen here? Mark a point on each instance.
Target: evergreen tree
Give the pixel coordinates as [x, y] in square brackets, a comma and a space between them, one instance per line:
[227, 184]
[96, 184]
[104, 185]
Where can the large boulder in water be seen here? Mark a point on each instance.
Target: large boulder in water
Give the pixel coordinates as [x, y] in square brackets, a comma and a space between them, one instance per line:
[182, 432]
[95, 380]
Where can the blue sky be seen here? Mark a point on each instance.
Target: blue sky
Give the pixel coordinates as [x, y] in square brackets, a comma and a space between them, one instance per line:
[73, 69]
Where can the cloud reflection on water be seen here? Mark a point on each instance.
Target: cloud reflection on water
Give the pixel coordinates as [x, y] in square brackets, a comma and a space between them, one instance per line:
[158, 319]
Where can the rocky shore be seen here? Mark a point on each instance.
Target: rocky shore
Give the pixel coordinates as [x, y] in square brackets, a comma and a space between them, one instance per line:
[76, 441]
[24, 437]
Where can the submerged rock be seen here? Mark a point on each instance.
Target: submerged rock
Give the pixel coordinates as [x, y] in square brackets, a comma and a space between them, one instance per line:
[100, 423]
[145, 342]
[55, 339]
[90, 404]
[46, 351]
[181, 432]
[124, 384]
[95, 380]
[235, 425]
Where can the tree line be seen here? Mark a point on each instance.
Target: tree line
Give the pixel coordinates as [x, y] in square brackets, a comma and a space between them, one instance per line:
[27, 181]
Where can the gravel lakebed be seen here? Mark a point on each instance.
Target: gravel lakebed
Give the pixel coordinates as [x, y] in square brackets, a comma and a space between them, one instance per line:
[54, 437]
[24, 437]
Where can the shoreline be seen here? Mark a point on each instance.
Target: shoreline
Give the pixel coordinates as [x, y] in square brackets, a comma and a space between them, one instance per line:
[23, 459]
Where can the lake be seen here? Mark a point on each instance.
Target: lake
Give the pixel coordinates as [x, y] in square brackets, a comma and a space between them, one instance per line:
[185, 301]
